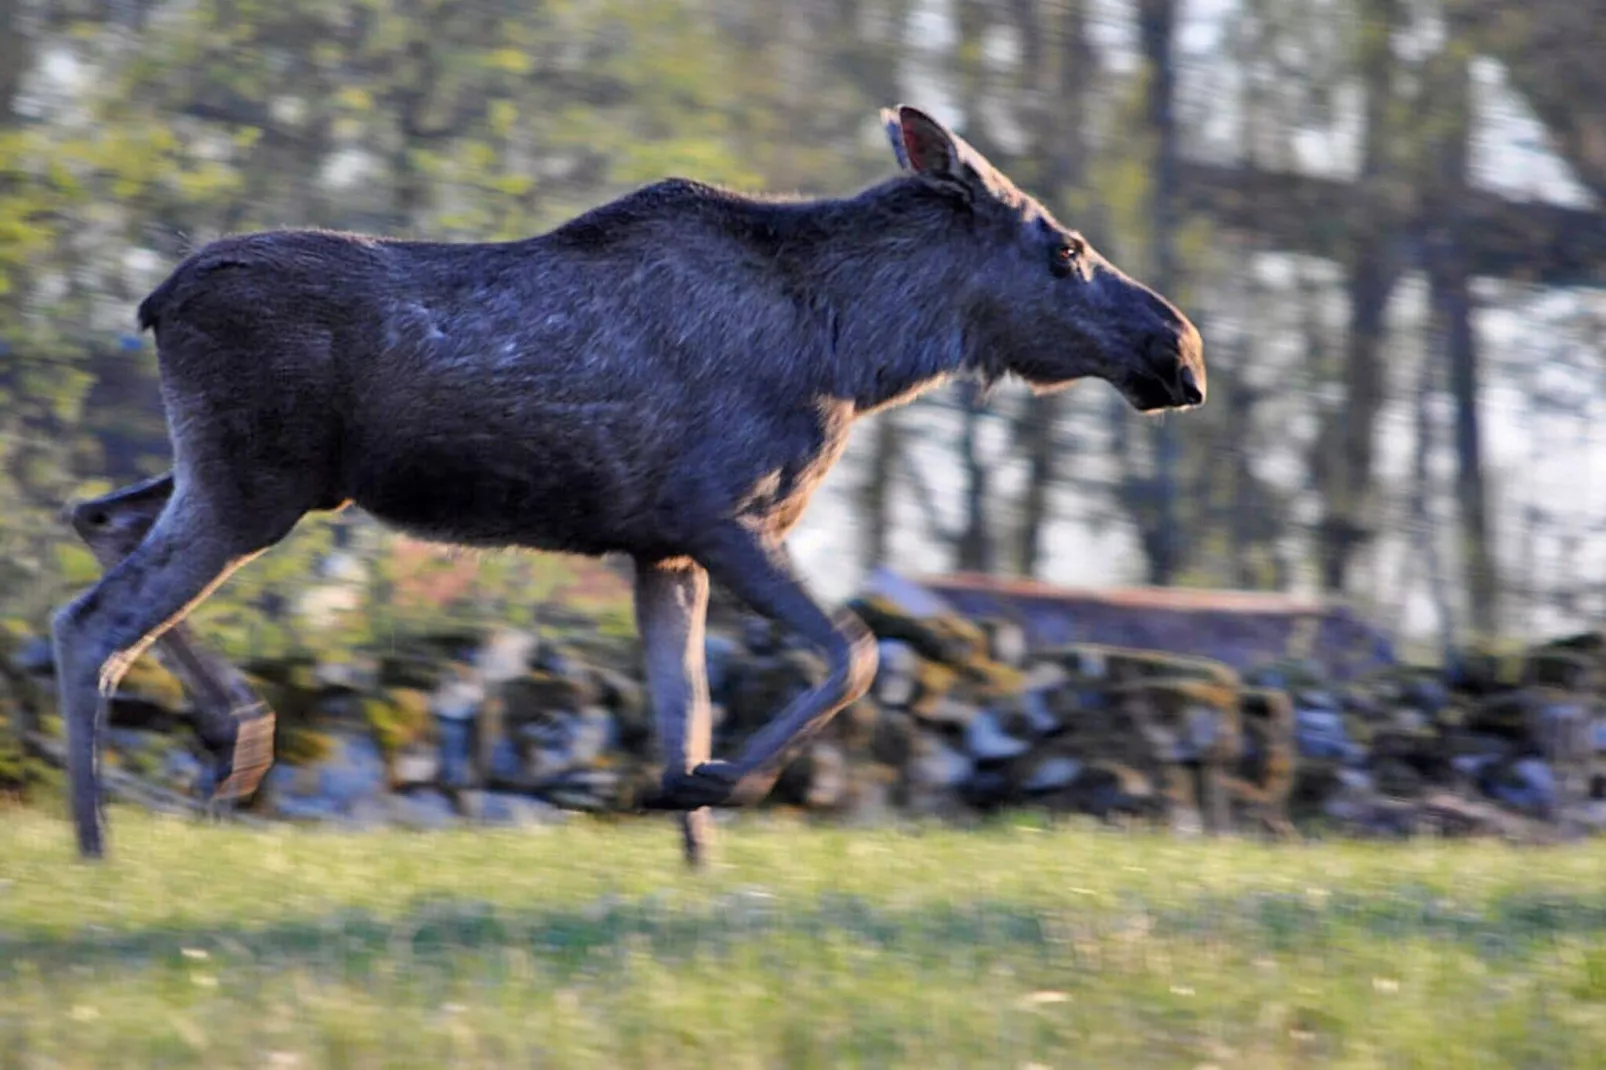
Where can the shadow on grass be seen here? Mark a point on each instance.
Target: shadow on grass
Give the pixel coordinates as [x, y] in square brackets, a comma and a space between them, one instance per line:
[441, 930]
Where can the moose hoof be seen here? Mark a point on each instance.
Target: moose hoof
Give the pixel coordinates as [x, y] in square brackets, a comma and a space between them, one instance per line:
[243, 761]
[710, 784]
[697, 837]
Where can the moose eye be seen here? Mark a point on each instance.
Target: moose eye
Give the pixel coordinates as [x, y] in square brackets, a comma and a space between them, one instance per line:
[1066, 254]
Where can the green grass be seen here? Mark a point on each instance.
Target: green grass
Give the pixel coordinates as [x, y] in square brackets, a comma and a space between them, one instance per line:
[587, 946]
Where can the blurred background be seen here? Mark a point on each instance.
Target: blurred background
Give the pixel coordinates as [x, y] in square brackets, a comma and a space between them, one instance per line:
[1385, 216]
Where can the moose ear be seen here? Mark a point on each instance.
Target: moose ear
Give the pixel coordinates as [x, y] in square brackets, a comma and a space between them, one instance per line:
[924, 146]
[894, 129]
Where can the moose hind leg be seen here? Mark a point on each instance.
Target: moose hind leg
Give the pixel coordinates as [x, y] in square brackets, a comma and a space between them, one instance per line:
[113, 524]
[671, 610]
[232, 721]
[757, 570]
[183, 557]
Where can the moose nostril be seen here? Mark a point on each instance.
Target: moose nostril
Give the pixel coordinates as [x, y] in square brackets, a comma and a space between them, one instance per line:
[1188, 386]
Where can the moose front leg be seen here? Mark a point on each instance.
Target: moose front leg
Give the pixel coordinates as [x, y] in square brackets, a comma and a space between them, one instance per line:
[757, 569]
[233, 722]
[671, 612]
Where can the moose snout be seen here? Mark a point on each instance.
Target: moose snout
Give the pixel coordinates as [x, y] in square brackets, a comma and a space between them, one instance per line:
[1190, 361]
[1164, 368]
[1173, 373]
[1188, 388]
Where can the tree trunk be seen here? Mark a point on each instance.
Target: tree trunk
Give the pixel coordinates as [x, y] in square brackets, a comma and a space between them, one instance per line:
[1347, 496]
[14, 58]
[1452, 305]
[975, 550]
[1061, 144]
[875, 493]
[1037, 437]
[1241, 408]
[1157, 20]
[1421, 516]
[1552, 53]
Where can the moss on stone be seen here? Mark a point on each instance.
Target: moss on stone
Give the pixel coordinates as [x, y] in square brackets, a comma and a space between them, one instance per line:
[933, 682]
[300, 745]
[397, 719]
[1562, 668]
[950, 639]
[1116, 664]
[1270, 756]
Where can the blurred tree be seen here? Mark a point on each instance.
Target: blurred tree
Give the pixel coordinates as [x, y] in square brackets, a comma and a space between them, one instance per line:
[874, 504]
[1552, 52]
[1162, 539]
[1057, 67]
[1347, 446]
[131, 131]
[1448, 143]
[43, 380]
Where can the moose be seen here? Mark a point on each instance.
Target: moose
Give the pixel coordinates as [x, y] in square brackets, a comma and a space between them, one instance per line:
[667, 376]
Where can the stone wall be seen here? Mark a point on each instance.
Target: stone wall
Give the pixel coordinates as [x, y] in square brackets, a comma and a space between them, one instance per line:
[968, 715]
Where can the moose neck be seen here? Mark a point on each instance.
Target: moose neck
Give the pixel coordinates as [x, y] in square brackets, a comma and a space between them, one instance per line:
[887, 270]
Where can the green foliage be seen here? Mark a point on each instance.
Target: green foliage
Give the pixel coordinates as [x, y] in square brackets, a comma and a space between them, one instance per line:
[238, 618]
[617, 622]
[148, 678]
[466, 120]
[24, 778]
[14, 780]
[452, 120]
[299, 745]
[397, 719]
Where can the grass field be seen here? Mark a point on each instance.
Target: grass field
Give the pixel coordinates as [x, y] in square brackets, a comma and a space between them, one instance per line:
[585, 945]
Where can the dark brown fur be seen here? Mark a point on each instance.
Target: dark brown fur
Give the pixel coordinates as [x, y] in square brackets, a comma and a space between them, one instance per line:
[668, 376]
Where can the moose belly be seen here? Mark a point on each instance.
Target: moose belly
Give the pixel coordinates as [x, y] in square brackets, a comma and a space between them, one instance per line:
[503, 493]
